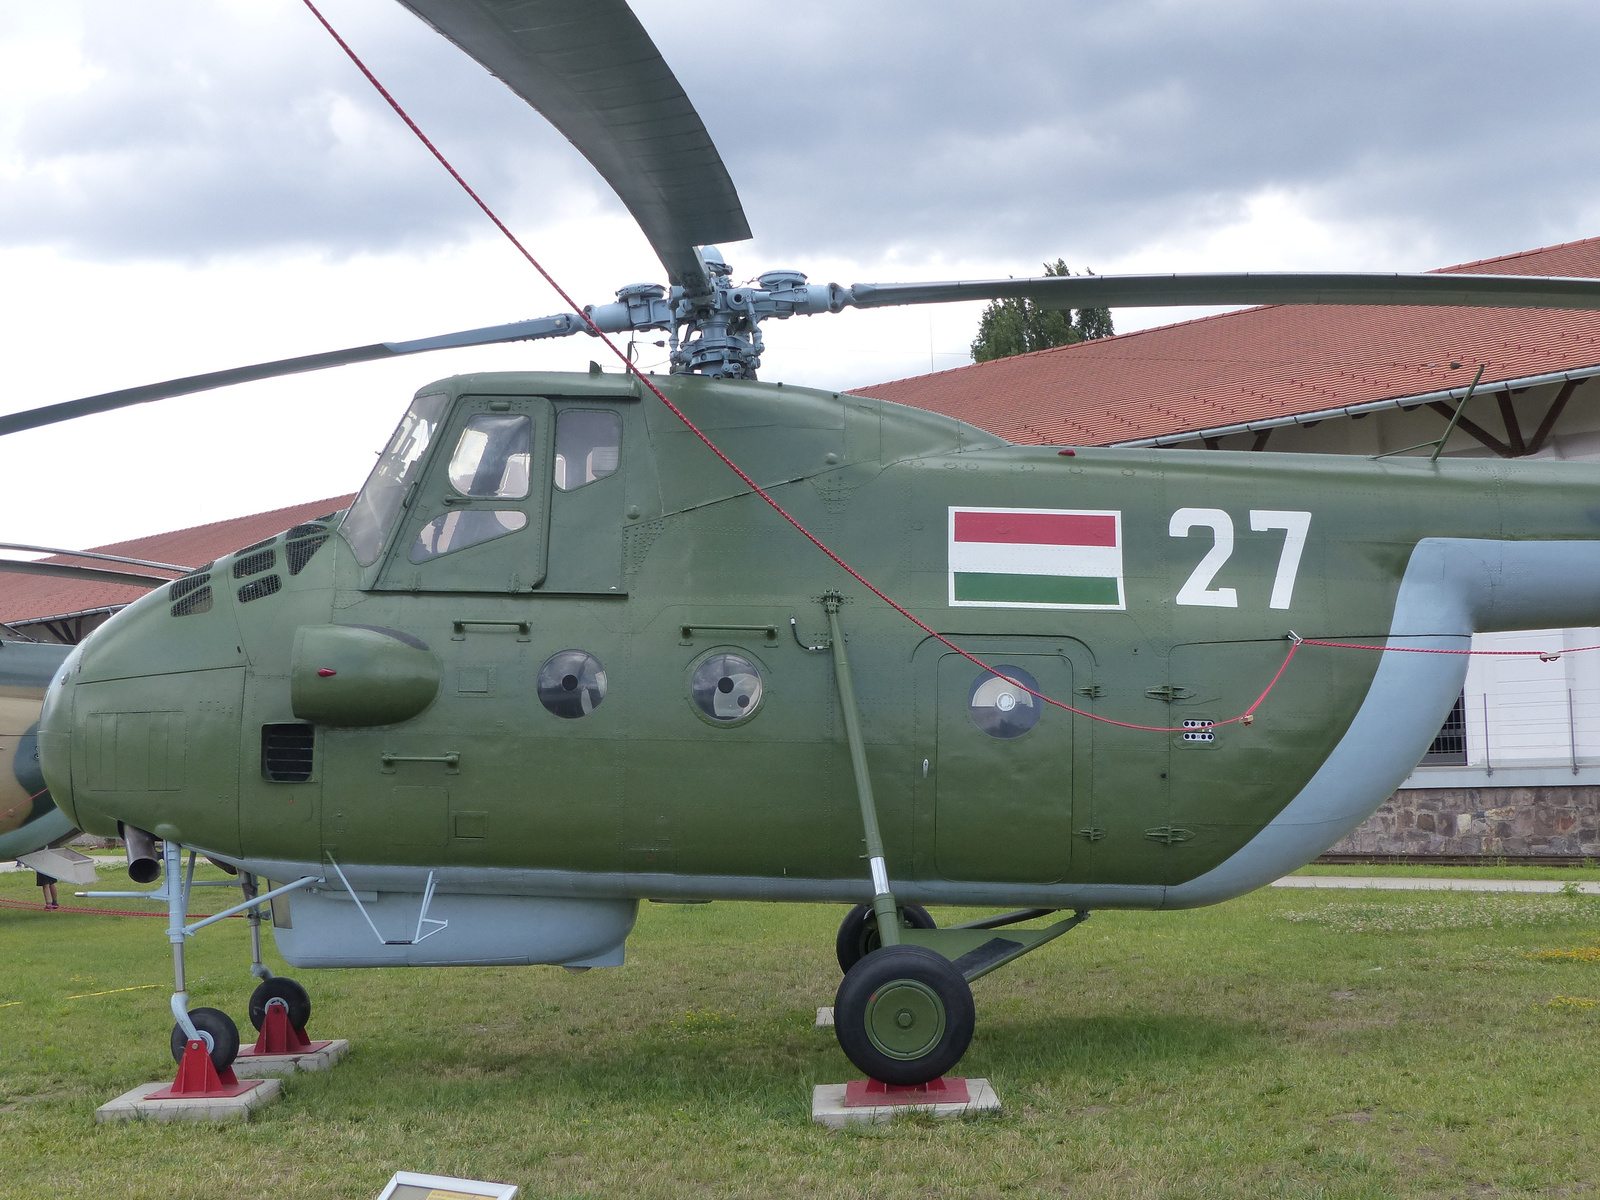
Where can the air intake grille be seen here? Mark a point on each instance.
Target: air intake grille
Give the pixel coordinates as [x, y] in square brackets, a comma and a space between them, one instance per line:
[190, 595]
[257, 588]
[301, 543]
[287, 752]
[254, 564]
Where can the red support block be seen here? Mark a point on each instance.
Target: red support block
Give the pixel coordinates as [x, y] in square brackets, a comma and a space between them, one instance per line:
[198, 1076]
[277, 1036]
[864, 1093]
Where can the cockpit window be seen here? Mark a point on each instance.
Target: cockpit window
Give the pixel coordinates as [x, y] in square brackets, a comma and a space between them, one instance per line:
[463, 528]
[491, 459]
[588, 447]
[372, 515]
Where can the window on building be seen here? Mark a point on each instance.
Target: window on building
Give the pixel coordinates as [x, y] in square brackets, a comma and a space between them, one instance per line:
[1450, 747]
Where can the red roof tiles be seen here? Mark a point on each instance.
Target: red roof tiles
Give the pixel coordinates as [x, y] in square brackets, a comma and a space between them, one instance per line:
[1261, 363]
[28, 597]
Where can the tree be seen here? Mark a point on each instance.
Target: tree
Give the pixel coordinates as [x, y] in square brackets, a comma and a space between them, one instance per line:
[1010, 327]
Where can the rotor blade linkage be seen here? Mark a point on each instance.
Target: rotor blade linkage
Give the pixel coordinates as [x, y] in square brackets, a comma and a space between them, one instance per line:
[1161, 291]
[560, 325]
[592, 71]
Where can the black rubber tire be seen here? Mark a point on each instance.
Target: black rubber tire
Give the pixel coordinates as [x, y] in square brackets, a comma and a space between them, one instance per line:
[937, 999]
[224, 1036]
[287, 990]
[858, 932]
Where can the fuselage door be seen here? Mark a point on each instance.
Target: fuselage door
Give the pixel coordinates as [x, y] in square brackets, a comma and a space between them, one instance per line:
[1003, 768]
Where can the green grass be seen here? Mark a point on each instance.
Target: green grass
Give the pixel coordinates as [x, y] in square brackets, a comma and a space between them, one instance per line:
[1283, 1045]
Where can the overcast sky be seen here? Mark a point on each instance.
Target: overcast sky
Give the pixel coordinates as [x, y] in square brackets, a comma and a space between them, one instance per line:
[187, 185]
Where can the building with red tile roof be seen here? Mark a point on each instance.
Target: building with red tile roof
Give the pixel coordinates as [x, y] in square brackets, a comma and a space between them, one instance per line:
[1249, 374]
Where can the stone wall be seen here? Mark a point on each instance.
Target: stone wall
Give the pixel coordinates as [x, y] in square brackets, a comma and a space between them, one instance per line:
[1512, 822]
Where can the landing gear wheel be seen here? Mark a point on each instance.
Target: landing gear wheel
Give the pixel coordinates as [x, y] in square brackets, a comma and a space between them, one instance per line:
[904, 1015]
[291, 993]
[216, 1025]
[858, 932]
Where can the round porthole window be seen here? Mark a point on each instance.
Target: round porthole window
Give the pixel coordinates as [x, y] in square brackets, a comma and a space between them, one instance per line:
[726, 687]
[1002, 709]
[572, 683]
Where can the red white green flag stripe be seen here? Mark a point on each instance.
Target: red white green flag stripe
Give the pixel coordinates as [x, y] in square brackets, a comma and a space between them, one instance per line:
[1036, 558]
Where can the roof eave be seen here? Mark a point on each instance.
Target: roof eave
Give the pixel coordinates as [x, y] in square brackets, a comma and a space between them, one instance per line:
[1358, 410]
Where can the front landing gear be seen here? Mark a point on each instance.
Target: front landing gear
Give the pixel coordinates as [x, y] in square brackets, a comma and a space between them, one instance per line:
[904, 1015]
[293, 997]
[216, 1030]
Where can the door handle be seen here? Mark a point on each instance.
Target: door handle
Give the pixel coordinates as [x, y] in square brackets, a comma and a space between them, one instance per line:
[524, 628]
[451, 761]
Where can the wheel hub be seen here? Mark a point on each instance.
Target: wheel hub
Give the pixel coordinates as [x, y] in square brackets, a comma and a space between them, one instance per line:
[905, 1019]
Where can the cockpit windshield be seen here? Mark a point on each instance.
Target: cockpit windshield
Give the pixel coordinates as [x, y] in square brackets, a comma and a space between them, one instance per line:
[370, 518]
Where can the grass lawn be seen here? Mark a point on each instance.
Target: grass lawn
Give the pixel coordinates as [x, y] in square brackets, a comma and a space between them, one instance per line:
[1296, 1044]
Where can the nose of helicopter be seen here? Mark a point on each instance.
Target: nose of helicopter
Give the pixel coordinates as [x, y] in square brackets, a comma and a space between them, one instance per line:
[143, 724]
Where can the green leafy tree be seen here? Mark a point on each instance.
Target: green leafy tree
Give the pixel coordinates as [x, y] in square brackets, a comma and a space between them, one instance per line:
[1010, 327]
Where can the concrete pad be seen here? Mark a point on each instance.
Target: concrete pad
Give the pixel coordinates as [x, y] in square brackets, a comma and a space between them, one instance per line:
[319, 1057]
[1394, 883]
[825, 1017]
[133, 1105]
[828, 1108]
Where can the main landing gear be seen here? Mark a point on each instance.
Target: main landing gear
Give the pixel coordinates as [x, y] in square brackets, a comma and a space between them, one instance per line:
[904, 1013]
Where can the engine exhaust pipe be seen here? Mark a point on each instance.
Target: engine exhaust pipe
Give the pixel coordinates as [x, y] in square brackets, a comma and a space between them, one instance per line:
[144, 864]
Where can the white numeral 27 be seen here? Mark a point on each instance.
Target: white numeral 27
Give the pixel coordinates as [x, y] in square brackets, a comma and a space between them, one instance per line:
[1197, 588]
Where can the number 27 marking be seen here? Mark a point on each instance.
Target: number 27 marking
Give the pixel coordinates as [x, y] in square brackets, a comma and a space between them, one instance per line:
[1197, 588]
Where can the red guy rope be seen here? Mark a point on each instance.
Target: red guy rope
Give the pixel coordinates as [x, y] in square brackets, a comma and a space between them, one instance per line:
[36, 906]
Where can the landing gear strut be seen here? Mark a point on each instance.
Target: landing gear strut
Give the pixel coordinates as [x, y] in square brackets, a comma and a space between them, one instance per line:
[904, 1013]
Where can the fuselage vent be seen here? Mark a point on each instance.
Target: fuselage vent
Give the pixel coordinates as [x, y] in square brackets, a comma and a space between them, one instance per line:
[254, 564]
[257, 588]
[301, 543]
[288, 752]
[190, 595]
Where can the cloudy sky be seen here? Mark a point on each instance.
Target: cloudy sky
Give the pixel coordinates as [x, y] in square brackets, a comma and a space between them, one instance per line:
[187, 185]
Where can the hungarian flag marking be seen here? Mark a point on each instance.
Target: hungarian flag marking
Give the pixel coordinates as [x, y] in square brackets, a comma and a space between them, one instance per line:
[1036, 558]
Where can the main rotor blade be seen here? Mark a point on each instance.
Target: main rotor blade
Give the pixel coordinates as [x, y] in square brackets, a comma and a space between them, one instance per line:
[83, 574]
[1161, 291]
[518, 331]
[593, 72]
[116, 558]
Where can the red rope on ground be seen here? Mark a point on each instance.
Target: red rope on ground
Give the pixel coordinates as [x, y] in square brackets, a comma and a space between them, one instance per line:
[39, 906]
[630, 368]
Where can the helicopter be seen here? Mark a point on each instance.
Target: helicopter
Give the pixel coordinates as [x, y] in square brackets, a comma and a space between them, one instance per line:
[584, 640]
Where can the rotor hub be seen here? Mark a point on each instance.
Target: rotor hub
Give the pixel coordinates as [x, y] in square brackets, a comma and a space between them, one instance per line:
[717, 334]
